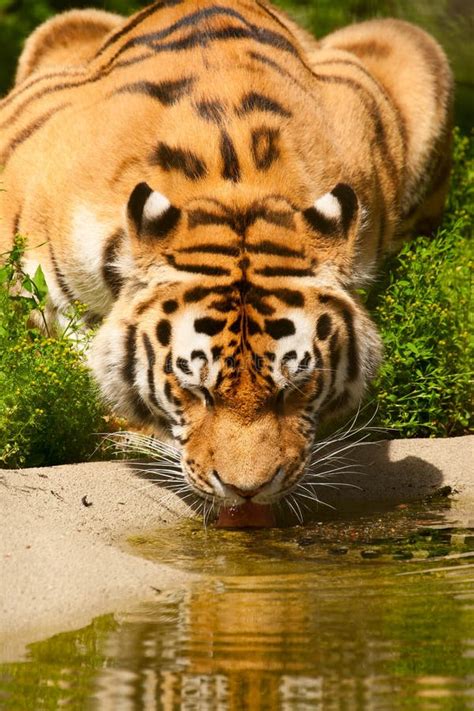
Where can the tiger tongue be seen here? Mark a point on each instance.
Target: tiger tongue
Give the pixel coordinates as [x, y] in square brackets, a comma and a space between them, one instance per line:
[248, 515]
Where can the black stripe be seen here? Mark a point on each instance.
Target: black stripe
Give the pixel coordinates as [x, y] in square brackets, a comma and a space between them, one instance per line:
[197, 268]
[231, 32]
[371, 107]
[60, 278]
[28, 131]
[161, 226]
[255, 32]
[135, 21]
[167, 391]
[150, 354]
[166, 92]
[323, 326]
[100, 74]
[216, 352]
[279, 218]
[347, 199]
[212, 111]
[231, 167]
[280, 70]
[304, 363]
[183, 365]
[265, 150]
[168, 365]
[255, 298]
[16, 92]
[338, 402]
[352, 354]
[17, 115]
[163, 332]
[197, 218]
[136, 204]
[283, 272]
[320, 223]
[211, 249]
[223, 305]
[239, 222]
[16, 224]
[259, 102]
[279, 327]
[382, 224]
[110, 273]
[209, 326]
[235, 325]
[140, 409]
[395, 110]
[318, 358]
[198, 354]
[195, 39]
[273, 248]
[253, 327]
[290, 297]
[169, 158]
[170, 306]
[365, 96]
[334, 356]
[129, 365]
[198, 293]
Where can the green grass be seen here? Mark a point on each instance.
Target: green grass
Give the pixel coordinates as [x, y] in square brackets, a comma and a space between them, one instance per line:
[50, 407]
[421, 306]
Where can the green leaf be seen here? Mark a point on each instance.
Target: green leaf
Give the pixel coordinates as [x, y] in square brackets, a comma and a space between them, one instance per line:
[5, 274]
[40, 284]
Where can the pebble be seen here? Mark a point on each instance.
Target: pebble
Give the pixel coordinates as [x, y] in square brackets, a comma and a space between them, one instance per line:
[370, 554]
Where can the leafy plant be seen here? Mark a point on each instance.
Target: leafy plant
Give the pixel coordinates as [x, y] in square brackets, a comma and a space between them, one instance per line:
[422, 306]
[49, 405]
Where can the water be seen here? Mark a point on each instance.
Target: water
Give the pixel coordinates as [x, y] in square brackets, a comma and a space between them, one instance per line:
[361, 611]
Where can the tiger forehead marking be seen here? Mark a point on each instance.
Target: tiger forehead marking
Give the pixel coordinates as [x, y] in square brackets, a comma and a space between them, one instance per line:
[234, 183]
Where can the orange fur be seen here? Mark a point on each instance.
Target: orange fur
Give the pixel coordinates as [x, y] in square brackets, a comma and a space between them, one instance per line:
[251, 133]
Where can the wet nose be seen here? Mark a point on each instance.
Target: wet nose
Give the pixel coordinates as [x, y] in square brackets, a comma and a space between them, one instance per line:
[246, 492]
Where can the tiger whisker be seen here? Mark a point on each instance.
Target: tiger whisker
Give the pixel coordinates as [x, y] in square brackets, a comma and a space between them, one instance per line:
[318, 501]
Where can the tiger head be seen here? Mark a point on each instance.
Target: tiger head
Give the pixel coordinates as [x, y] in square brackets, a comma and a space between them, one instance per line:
[236, 330]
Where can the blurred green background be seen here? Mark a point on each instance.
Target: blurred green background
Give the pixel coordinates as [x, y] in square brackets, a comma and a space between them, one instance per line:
[450, 21]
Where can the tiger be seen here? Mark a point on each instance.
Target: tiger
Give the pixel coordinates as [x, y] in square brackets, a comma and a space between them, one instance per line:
[217, 186]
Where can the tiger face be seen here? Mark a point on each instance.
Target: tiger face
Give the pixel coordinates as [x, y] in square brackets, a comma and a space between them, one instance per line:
[231, 332]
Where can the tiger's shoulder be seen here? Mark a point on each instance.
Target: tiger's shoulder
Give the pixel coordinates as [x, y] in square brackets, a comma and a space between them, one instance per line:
[340, 111]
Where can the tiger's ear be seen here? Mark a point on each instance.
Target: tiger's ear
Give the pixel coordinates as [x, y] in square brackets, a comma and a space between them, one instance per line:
[150, 214]
[335, 214]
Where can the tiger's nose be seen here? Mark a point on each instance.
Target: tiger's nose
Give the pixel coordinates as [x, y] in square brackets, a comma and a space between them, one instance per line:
[245, 492]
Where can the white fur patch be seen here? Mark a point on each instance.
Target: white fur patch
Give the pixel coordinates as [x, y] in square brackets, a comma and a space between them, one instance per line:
[186, 340]
[329, 206]
[155, 206]
[301, 341]
[88, 235]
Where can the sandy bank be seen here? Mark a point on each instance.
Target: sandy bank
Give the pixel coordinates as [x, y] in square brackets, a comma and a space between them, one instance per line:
[62, 528]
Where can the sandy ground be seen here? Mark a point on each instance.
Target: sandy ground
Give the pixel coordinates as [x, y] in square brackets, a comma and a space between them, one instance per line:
[63, 557]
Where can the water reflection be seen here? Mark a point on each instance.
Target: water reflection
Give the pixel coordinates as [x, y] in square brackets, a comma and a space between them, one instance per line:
[285, 624]
[317, 642]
